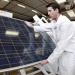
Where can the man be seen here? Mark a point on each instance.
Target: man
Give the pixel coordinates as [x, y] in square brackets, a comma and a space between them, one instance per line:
[64, 36]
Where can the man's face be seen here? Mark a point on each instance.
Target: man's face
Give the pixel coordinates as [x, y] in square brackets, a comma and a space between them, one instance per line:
[52, 13]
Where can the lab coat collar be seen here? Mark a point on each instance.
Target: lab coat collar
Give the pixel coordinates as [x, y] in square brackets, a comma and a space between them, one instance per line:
[56, 25]
[59, 20]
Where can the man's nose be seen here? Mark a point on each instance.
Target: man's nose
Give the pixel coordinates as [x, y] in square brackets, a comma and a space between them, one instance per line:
[48, 13]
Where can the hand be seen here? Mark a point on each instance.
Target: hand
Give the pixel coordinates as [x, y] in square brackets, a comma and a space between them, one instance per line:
[44, 62]
[29, 24]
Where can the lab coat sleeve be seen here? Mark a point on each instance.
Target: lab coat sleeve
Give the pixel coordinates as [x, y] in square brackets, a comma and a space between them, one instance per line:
[43, 28]
[38, 29]
[66, 33]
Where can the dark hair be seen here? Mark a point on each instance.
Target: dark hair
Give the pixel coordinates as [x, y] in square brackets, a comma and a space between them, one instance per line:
[54, 6]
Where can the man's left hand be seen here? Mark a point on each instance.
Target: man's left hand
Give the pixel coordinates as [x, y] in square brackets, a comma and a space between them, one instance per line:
[44, 62]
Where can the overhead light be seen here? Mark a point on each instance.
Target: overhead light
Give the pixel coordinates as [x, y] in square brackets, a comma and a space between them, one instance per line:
[6, 0]
[60, 1]
[71, 13]
[21, 6]
[12, 33]
[34, 11]
[67, 5]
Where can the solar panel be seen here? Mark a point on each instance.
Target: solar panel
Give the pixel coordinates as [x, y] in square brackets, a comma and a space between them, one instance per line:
[22, 47]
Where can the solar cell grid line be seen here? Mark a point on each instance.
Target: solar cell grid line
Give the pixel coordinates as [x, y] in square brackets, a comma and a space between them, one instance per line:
[31, 35]
[11, 40]
[24, 38]
[22, 50]
[22, 44]
[46, 35]
[20, 61]
[44, 44]
[23, 27]
[6, 22]
[31, 41]
[38, 46]
[34, 40]
[14, 23]
[22, 31]
[10, 49]
[6, 61]
[1, 23]
[3, 47]
[19, 64]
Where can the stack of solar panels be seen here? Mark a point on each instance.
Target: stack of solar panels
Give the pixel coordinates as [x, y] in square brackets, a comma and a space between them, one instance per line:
[19, 46]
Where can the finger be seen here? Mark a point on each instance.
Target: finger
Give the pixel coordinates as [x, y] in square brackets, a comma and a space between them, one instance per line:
[41, 63]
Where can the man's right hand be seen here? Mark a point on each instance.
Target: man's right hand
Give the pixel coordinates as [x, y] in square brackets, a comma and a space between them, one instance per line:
[29, 24]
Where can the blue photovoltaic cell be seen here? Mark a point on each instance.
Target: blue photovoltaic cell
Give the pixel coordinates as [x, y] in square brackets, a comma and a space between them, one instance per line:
[22, 49]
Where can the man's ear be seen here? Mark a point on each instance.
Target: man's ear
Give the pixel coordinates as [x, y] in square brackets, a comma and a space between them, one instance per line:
[56, 10]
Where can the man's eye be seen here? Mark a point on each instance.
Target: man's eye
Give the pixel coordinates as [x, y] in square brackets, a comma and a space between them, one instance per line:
[49, 10]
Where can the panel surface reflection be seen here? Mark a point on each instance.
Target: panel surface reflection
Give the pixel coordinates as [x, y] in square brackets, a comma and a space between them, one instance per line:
[25, 48]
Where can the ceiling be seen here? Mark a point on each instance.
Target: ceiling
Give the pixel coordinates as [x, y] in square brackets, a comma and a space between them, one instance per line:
[26, 13]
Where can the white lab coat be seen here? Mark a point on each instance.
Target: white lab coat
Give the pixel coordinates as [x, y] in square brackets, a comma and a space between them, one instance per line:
[63, 33]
